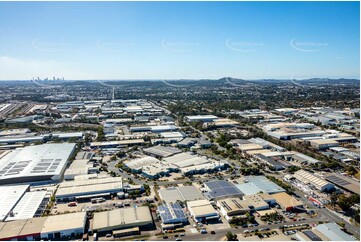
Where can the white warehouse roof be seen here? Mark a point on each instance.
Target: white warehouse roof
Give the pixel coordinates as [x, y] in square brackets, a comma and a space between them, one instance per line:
[33, 163]
[10, 195]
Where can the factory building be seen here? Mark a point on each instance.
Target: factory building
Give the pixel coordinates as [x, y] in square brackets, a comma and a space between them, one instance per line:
[314, 181]
[89, 188]
[287, 202]
[256, 184]
[124, 218]
[201, 118]
[119, 143]
[10, 196]
[161, 151]
[230, 207]
[172, 215]
[183, 193]
[64, 226]
[202, 210]
[221, 189]
[35, 163]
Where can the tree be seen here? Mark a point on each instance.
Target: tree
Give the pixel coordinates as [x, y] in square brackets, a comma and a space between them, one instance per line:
[344, 202]
[230, 236]
[333, 199]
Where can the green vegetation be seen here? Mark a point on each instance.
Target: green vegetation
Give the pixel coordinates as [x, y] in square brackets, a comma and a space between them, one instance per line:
[100, 134]
[231, 237]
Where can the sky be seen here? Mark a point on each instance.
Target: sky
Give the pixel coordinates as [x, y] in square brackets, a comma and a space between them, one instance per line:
[179, 40]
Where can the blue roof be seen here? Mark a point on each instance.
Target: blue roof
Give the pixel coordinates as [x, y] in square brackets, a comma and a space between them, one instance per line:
[221, 188]
[333, 232]
[172, 213]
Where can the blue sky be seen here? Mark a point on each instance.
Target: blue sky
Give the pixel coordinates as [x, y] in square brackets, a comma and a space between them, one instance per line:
[173, 40]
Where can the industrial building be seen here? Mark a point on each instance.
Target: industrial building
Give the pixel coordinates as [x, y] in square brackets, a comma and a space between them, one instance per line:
[123, 218]
[201, 118]
[230, 207]
[318, 183]
[324, 232]
[202, 210]
[30, 205]
[181, 193]
[172, 214]
[287, 202]
[88, 188]
[322, 144]
[256, 202]
[266, 144]
[20, 230]
[10, 196]
[161, 151]
[189, 164]
[35, 163]
[221, 189]
[344, 182]
[118, 143]
[64, 226]
[79, 167]
[255, 184]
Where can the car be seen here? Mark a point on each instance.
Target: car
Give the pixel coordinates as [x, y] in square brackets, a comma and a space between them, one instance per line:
[246, 231]
[182, 234]
[294, 220]
[165, 237]
[213, 232]
[176, 235]
[178, 239]
[255, 225]
[251, 225]
[108, 235]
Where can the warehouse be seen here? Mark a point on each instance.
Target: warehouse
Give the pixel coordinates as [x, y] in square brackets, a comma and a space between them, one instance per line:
[79, 167]
[11, 195]
[64, 226]
[249, 147]
[202, 210]
[20, 230]
[31, 204]
[201, 118]
[161, 151]
[230, 207]
[322, 144]
[172, 214]
[255, 184]
[86, 189]
[221, 189]
[182, 193]
[119, 143]
[137, 165]
[308, 178]
[332, 232]
[192, 164]
[35, 163]
[344, 182]
[256, 202]
[66, 136]
[266, 144]
[122, 218]
[287, 202]
[272, 163]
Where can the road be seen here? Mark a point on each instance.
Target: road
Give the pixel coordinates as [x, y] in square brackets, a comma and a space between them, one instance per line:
[220, 234]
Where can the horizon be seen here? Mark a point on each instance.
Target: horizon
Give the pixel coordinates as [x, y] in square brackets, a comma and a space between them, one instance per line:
[179, 40]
